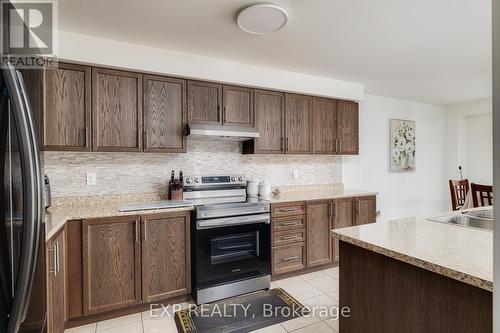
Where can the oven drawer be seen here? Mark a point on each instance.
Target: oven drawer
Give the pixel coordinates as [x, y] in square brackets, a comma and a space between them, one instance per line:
[289, 237]
[288, 258]
[288, 209]
[288, 223]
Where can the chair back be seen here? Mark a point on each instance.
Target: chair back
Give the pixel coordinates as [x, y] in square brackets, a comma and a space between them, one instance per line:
[482, 195]
[458, 191]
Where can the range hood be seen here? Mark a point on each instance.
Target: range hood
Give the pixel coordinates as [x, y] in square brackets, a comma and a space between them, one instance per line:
[221, 133]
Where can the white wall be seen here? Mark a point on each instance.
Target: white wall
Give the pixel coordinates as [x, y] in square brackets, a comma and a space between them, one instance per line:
[478, 166]
[469, 140]
[400, 194]
[91, 49]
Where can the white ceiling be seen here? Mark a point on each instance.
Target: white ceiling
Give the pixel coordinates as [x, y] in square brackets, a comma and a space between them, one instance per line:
[435, 51]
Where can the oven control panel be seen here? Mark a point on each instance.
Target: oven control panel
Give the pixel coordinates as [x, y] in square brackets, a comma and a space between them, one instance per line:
[215, 180]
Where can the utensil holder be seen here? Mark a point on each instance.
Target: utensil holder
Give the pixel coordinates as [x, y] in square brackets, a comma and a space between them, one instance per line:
[176, 194]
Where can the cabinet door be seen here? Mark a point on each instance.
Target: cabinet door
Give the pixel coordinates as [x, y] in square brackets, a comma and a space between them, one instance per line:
[269, 117]
[116, 110]
[57, 284]
[111, 263]
[347, 128]
[204, 102]
[66, 110]
[319, 240]
[164, 114]
[238, 106]
[166, 268]
[325, 126]
[288, 258]
[366, 210]
[298, 121]
[343, 211]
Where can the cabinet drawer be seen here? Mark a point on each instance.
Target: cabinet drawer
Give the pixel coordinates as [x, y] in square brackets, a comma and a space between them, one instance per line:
[284, 224]
[289, 237]
[288, 258]
[298, 208]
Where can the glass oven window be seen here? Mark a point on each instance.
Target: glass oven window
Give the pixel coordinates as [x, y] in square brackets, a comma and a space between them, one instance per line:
[234, 247]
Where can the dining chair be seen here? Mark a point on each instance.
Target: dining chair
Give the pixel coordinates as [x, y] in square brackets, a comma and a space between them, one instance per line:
[458, 191]
[482, 195]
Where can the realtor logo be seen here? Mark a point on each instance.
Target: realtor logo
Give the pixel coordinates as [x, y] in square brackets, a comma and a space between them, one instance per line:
[28, 27]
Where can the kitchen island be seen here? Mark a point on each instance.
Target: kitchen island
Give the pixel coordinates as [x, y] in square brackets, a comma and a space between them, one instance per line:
[415, 275]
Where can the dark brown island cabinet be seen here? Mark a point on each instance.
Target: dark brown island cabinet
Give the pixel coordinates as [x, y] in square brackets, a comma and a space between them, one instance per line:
[301, 232]
[391, 296]
[81, 107]
[106, 267]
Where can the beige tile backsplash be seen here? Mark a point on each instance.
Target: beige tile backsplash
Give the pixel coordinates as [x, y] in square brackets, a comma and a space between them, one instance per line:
[122, 173]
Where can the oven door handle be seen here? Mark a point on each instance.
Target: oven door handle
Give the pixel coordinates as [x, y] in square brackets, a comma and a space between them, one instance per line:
[233, 221]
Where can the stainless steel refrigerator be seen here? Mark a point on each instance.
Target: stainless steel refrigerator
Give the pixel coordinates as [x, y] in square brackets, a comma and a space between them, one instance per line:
[22, 240]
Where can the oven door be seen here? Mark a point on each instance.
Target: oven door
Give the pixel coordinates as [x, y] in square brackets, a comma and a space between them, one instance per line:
[231, 249]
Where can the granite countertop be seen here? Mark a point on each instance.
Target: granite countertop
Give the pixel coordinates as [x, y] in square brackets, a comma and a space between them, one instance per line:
[315, 192]
[461, 253]
[78, 208]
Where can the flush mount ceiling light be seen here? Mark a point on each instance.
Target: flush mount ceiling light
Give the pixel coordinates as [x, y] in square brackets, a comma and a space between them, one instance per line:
[262, 19]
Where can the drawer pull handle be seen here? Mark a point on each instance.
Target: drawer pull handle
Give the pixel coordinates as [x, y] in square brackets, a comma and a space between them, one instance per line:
[290, 258]
[288, 209]
[289, 237]
[289, 223]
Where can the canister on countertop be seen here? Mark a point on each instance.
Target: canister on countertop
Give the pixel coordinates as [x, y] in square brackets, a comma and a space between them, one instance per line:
[253, 187]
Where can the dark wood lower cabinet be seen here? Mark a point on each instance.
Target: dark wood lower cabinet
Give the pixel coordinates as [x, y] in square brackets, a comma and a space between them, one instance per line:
[56, 270]
[166, 270]
[106, 267]
[319, 240]
[343, 217]
[366, 209]
[389, 296]
[111, 263]
[301, 232]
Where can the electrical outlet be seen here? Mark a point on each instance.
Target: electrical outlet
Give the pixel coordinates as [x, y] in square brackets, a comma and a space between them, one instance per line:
[295, 174]
[91, 178]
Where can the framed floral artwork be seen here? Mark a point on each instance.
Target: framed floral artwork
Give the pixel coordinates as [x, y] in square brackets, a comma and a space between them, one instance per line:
[402, 145]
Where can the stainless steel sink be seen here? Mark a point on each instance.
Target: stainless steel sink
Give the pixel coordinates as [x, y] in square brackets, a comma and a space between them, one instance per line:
[481, 219]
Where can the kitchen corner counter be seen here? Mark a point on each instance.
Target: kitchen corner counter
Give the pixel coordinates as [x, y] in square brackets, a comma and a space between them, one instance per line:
[79, 208]
[460, 253]
[314, 192]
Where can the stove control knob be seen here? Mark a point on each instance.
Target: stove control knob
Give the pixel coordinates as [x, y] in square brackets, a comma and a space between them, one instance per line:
[196, 180]
[233, 179]
[240, 178]
[188, 180]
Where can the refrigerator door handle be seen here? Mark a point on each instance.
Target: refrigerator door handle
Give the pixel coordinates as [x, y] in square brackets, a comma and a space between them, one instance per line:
[32, 210]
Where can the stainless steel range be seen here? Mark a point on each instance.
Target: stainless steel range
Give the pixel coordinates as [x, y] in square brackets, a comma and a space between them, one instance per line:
[231, 250]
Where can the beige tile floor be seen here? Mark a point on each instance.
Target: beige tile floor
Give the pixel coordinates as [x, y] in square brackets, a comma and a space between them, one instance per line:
[320, 288]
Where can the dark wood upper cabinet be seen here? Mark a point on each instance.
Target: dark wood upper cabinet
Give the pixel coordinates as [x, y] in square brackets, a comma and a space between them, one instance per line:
[343, 216]
[319, 225]
[111, 263]
[204, 102]
[269, 108]
[116, 110]
[56, 260]
[66, 116]
[366, 210]
[298, 124]
[166, 266]
[164, 114]
[348, 128]
[238, 106]
[325, 125]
